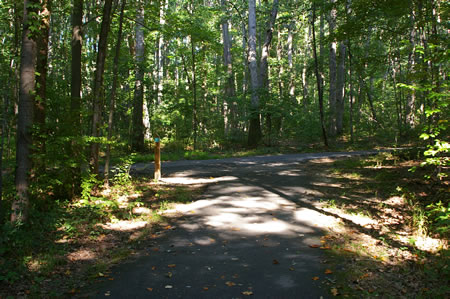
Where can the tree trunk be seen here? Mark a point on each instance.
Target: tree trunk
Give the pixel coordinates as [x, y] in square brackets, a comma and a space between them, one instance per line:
[27, 90]
[138, 129]
[98, 91]
[318, 77]
[264, 66]
[254, 134]
[161, 42]
[332, 68]
[112, 103]
[41, 86]
[75, 88]
[291, 61]
[230, 89]
[340, 91]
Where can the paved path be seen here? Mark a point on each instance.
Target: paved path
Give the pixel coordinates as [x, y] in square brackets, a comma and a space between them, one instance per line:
[248, 235]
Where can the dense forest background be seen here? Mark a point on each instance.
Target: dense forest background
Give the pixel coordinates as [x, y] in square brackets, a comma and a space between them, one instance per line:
[87, 80]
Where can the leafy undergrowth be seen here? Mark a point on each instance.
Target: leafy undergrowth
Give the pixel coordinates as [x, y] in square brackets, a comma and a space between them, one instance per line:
[68, 244]
[393, 237]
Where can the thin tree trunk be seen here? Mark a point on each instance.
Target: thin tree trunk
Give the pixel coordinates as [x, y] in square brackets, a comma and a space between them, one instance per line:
[21, 202]
[98, 91]
[332, 68]
[75, 89]
[264, 66]
[352, 135]
[138, 134]
[194, 91]
[112, 103]
[318, 77]
[41, 86]
[340, 91]
[254, 134]
[161, 42]
[291, 61]
[230, 89]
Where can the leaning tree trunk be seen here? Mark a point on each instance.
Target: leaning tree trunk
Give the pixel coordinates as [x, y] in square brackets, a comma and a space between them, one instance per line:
[27, 90]
[254, 134]
[138, 128]
[98, 84]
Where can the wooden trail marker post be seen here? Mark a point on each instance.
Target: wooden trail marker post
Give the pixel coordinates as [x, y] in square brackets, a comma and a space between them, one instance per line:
[157, 159]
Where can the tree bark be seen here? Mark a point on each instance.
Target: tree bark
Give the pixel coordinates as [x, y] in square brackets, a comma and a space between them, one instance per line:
[27, 91]
[112, 103]
[254, 134]
[318, 77]
[98, 91]
[41, 85]
[264, 66]
[138, 129]
[332, 69]
[340, 90]
[230, 89]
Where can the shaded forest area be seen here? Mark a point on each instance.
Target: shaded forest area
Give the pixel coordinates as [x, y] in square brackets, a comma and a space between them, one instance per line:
[87, 85]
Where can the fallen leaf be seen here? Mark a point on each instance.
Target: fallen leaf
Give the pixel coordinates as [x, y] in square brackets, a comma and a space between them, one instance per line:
[168, 227]
[169, 274]
[326, 247]
[230, 283]
[171, 266]
[247, 293]
[315, 278]
[149, 289]
[291, 269]
[155, 249]
[100, 274]
[334, 291]
[68, 272]
[168, 286]
[314, 246]
[235, 276]
[328, 271]
[153, 268]
[274, 219]
[205, 288]
[275, 262]
[347, 250]
[111, 278]
[222, 277]
[108, 293]
[192, 212]
[236, 229]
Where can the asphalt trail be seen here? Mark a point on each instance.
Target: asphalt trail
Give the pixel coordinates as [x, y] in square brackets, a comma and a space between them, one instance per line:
[249, 234]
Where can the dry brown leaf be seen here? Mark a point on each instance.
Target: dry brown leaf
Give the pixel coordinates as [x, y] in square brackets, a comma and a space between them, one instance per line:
[153, 268]
[171, 266]
[328, 271]
[275, 262]
[334, 291]
[247, 293]
[325, 247]
[315, 278]
[149, 289]
[169, 274]
[205, 288]
[291, 269]
[230, 283]
[314, 246]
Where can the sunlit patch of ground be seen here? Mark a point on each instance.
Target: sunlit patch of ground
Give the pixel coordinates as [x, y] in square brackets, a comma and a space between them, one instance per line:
[377, 250]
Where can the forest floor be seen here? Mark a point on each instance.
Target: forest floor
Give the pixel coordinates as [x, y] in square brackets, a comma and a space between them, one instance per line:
[369, 241]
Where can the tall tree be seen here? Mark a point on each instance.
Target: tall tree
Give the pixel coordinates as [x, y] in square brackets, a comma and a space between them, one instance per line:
[41, 84]
[98, 92]
[230, 89]
[332, 68]
[138, 128]
[27, 95]
[254, 133]
[112, 102]
[318, 76]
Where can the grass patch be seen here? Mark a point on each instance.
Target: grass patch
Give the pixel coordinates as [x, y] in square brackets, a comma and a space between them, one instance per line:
[391, 242]
[67, 242]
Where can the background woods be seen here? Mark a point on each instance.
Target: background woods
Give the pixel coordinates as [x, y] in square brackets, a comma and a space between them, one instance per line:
[87, 84]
